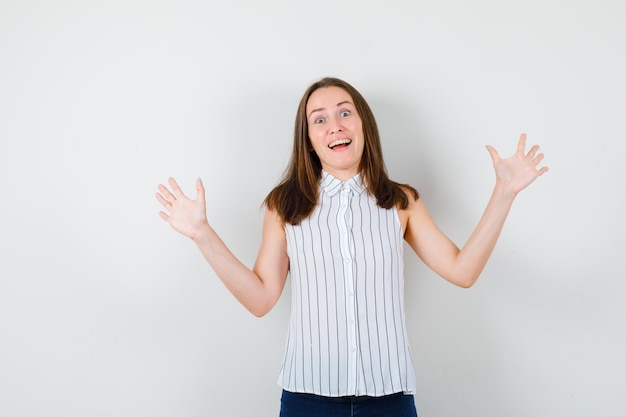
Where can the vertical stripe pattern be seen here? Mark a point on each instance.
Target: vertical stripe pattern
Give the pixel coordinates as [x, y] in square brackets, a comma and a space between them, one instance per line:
[347, 333]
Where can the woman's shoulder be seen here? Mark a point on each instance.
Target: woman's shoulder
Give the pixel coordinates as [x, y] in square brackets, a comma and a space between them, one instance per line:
[409, 191]
[408, 195]
[412, 206]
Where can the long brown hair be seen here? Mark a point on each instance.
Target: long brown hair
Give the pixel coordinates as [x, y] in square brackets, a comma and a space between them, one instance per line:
[296, 196]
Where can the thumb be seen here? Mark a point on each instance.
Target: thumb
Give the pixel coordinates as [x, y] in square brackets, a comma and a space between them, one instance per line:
[492, 151]
[200, 191]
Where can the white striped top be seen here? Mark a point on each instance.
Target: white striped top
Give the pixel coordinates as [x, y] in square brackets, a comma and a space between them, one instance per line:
[347, 333]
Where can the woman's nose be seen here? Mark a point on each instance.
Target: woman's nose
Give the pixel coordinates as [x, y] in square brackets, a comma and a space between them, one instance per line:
[335, 125]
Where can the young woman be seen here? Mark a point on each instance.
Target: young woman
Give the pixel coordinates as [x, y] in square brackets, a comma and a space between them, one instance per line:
[336, 225]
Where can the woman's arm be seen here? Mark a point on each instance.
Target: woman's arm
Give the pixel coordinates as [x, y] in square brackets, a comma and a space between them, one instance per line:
[258, 289]
[463, 266]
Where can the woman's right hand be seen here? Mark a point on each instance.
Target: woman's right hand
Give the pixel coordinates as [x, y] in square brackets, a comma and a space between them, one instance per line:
[186, 216]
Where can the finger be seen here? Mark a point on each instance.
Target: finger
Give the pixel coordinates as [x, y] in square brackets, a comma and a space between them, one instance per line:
[521, 144]
[531, 153]
[163, 215]
[537, 159]
[166, 204]
[175, 188]
[200, 194]
[166, 193]
[493, 152]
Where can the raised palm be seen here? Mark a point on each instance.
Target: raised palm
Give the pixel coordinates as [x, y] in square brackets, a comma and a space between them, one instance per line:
[186, 216]
[520, 170]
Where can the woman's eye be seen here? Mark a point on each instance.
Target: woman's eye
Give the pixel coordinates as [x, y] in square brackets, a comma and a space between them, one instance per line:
[345, 113]
[318, 120]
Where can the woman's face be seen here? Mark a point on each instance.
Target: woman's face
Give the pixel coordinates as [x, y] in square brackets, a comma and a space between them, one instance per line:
[335, 131]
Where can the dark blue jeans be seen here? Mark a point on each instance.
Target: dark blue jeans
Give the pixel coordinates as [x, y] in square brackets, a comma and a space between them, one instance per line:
[309, 405]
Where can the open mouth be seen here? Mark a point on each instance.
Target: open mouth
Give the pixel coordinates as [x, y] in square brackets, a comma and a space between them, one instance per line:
[340, 144]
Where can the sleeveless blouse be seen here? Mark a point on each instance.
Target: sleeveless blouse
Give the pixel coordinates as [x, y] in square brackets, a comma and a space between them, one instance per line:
[347, 333]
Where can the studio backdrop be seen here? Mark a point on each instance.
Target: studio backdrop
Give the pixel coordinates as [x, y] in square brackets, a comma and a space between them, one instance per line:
[106, 311]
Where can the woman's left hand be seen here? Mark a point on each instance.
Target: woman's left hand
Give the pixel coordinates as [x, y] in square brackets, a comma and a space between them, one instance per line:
[520, 170]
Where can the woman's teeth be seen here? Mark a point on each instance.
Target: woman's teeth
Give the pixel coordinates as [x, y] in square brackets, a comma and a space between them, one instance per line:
[339, 142]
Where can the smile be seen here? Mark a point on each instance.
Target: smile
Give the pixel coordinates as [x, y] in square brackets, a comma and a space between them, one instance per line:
[340, 142]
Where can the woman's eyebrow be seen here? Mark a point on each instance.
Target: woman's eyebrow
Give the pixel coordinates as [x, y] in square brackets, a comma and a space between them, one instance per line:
[324, 108]
[316, 110]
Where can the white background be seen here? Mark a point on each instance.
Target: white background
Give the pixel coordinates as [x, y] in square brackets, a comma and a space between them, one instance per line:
[106, 311]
